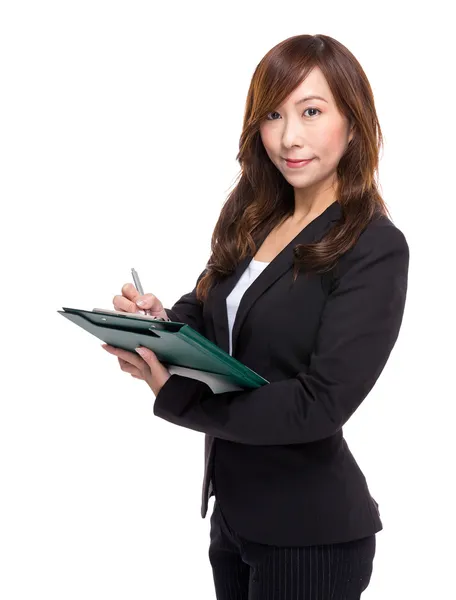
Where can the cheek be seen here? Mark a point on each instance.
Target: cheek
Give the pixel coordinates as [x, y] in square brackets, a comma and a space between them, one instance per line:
[267, 140]
[330, 143]
[269, 147]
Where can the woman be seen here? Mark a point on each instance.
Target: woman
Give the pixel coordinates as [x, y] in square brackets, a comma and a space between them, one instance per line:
[306, 284]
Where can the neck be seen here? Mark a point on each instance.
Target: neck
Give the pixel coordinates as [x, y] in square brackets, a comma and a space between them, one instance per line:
[310, 203]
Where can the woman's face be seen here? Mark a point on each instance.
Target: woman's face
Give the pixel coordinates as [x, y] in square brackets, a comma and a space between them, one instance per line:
[311, 129]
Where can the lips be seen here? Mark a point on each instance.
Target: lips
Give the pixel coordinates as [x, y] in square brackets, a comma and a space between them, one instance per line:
[297, 164]
[296, 159]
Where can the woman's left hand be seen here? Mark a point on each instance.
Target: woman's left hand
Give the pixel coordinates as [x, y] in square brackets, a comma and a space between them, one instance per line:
[142, 364]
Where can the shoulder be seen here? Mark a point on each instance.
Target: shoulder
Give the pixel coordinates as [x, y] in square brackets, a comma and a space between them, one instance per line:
[381, 241]
[383, 230]
[381, 235]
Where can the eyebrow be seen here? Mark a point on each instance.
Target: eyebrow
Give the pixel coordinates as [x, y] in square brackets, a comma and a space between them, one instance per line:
[310, 98]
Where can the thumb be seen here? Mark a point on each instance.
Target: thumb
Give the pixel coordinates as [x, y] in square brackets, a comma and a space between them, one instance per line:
[150, 302]
[148, 355]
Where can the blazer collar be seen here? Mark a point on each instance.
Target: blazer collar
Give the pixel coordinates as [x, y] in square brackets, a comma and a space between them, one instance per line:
[275, 269]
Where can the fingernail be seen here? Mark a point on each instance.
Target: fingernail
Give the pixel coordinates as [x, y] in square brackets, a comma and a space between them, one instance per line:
[140, 302]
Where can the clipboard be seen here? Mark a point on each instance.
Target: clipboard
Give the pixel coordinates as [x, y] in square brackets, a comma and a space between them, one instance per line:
[182, 349]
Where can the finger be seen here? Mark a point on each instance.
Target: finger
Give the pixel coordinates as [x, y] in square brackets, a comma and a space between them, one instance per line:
[132, 295]
[122, 303]
[125, 355]
[129, 368]
[149, 301]
[130, 292]
[149, 357]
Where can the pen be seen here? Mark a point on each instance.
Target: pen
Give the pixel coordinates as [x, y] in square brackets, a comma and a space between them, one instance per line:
[139, 287]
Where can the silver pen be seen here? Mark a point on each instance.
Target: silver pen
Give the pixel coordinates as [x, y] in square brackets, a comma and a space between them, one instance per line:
[139, 287]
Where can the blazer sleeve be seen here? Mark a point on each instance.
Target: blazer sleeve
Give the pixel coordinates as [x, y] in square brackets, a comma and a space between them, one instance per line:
[188, 309]
[359, 327]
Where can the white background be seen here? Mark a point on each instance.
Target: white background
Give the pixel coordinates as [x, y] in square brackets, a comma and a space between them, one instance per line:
[120, 124]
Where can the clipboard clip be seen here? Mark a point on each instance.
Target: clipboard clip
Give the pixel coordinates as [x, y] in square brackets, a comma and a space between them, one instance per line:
[156, 319]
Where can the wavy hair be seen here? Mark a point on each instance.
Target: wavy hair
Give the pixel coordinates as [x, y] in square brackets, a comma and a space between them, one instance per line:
[263, 198]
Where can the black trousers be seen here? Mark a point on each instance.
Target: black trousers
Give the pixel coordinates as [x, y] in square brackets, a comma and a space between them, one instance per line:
[245, 570]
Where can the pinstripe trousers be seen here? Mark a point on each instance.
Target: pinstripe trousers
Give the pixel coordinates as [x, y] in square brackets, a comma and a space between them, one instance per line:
[245, 570]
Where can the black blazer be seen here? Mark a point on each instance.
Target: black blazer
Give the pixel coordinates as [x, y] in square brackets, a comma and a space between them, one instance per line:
[275, 457]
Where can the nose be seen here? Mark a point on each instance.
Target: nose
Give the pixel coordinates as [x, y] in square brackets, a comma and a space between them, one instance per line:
[293, 138]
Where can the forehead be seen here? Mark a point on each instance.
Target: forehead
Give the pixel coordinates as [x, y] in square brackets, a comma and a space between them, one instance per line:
[314, 83]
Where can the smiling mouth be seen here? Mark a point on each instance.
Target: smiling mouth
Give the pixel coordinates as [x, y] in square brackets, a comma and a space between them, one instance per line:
[297, 164]
[296, 159]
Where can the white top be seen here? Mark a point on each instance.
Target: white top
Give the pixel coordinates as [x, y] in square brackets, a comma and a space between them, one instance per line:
[233, 300]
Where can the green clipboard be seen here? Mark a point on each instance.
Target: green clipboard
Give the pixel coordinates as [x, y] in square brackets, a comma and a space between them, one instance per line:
[178, 346]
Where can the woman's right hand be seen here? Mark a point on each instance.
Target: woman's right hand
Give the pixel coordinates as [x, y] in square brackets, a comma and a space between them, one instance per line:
[127, 302]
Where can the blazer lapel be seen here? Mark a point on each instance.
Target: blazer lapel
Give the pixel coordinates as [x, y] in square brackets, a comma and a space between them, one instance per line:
[275, 269]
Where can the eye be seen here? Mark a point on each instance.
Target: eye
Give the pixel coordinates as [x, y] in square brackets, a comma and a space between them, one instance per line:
[310, 108]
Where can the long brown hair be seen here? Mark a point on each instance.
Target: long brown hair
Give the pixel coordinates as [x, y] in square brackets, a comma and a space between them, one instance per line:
[262, 197]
